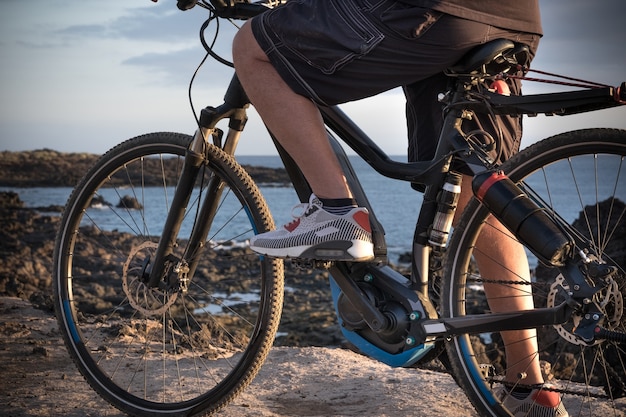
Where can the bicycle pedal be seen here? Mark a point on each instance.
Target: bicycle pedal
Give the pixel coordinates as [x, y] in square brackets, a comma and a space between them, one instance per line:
[306, 264]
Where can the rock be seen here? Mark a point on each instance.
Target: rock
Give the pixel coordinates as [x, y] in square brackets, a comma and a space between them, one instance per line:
[129, 203]
[53, 169]
[99, 200]
[26, 245]
[10, 200]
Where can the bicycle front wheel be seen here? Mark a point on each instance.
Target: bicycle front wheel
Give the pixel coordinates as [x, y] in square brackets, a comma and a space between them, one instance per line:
[182, 348]
[580, 177]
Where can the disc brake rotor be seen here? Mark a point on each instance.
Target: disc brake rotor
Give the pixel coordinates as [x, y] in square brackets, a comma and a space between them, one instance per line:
[147, 300]
[609, 300]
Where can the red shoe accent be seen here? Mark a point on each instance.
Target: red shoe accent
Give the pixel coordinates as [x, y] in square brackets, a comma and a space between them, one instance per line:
[292, 225]
[547, 398]
[363, 219]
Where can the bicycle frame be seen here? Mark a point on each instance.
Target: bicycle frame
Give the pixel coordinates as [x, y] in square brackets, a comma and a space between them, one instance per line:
[182, 326]
[451, 145]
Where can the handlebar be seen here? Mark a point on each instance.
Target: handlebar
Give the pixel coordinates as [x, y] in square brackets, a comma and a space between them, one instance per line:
[233, 9]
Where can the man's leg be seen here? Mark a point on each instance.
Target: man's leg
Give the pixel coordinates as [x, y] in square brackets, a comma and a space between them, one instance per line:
[292, 118]
[333, 228]
[500, 257]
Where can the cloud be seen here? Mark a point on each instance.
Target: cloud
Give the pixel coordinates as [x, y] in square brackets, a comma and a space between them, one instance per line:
[583, 38]
[178, 66]
[179, 62]
[159, 23]
[159, 38]
[83, 31]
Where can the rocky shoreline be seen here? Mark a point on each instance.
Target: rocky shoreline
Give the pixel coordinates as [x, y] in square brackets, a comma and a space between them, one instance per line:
[27, 238]
[49, 168]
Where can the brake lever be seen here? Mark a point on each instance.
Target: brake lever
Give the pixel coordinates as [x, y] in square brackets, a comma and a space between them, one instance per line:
[224, 4]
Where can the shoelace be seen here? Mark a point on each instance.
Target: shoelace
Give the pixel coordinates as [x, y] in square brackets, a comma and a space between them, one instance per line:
[303, 209]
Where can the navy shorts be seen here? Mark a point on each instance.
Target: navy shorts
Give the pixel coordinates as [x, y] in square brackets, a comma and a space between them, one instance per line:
[335, 51]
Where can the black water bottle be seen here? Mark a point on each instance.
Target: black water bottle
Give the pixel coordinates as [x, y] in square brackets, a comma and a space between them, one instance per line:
[530, 223]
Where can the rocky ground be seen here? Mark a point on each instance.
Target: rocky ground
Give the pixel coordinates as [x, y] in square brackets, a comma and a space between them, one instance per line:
[307, 374]
[40, 380]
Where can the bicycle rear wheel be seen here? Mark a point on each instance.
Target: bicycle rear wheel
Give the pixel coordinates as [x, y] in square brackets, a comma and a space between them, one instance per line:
[184, 349]
[581, 177]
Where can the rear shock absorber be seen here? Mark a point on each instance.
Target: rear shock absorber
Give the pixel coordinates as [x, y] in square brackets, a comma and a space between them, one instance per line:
[518, 213]
[447, 201]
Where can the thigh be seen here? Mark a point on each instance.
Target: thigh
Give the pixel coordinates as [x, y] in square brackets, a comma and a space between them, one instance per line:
[342, 50]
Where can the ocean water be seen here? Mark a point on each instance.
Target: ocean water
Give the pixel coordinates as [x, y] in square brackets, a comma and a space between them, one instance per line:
[395, 203]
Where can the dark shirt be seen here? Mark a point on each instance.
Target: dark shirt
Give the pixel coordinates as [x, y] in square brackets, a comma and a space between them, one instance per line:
[522, 15]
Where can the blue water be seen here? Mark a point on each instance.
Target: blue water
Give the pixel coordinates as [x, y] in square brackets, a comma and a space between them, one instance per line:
[394, 202]
[396, 205]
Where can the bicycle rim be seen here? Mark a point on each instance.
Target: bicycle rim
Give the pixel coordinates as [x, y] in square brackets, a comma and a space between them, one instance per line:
[183, 348]
[581, 177]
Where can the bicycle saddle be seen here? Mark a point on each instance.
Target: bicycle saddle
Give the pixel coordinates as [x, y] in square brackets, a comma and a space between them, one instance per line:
[497, 56]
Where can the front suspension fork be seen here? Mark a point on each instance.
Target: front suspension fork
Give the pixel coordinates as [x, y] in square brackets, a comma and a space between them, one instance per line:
[194, 161]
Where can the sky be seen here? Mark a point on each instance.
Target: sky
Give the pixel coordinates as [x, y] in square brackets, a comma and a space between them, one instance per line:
[82, 76]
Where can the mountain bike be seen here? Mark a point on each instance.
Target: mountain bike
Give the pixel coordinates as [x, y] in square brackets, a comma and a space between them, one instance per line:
[166, 311]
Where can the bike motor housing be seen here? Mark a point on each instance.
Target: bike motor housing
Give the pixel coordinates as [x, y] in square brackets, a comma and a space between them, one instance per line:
[402, 342]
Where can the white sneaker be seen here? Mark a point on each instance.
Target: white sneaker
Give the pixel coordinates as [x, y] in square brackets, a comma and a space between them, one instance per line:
[539, 403]
[318, 234]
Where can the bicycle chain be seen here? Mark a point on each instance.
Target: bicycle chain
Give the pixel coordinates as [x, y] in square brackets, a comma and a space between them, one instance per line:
[549, 388]
[508, 282]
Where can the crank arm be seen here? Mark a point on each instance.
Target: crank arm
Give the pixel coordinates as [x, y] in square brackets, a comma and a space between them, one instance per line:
[496, 322]
[374, 318]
